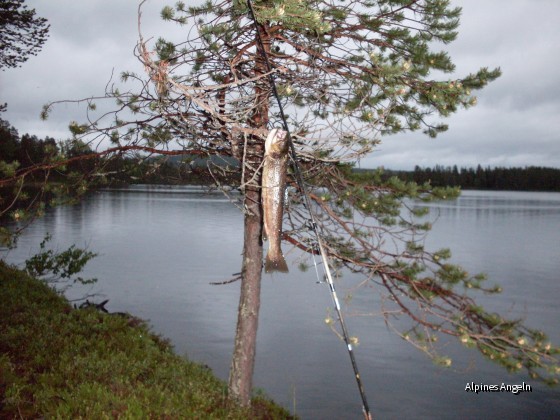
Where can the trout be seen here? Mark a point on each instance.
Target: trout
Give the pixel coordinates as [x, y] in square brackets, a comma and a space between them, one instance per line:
[273, 187]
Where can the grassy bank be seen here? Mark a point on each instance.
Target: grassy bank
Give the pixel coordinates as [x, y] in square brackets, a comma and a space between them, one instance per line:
[56, 361]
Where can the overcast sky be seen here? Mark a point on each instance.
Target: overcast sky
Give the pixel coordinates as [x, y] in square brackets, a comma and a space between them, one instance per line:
[516, 121]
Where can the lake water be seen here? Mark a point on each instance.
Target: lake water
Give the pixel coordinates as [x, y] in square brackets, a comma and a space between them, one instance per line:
[161, 247]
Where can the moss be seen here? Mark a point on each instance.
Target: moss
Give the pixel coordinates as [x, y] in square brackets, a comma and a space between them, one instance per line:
[56, 361]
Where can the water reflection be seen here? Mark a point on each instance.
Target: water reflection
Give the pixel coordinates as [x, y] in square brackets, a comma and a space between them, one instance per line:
[500, 203]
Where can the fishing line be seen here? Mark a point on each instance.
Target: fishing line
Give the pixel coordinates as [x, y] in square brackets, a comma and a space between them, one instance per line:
[314, 226]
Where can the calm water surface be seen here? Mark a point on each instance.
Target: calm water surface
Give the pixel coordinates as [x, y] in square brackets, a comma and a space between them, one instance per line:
[160, 247]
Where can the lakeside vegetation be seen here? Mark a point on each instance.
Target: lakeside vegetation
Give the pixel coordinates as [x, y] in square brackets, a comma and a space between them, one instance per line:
[60, 362]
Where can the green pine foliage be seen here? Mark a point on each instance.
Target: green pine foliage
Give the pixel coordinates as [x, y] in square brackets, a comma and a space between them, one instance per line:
[377, 227]
[22, 32]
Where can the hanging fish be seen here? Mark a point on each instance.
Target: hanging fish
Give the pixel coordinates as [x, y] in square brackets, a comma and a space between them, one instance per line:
[273, 187]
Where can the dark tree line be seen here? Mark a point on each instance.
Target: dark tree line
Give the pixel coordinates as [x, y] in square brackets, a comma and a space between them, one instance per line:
[29, 150]
[21, 152]
[17, 153]
[35, 173]
[529, 178]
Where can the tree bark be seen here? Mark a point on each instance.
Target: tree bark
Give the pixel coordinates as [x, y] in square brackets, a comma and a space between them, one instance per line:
[243, 360]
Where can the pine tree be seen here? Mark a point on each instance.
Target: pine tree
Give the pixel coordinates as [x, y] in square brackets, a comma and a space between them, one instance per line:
[22, 34]
[348, 73]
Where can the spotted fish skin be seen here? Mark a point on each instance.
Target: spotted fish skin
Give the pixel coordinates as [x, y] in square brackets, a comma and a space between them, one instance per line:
[273, 187]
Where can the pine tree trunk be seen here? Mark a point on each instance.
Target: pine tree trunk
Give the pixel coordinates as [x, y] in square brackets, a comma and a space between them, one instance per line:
[243, 361]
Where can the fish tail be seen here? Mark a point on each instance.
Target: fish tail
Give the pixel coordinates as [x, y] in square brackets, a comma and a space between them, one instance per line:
[275, 262]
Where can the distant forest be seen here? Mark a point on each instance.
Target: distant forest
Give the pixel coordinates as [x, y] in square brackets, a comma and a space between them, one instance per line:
[531, 178]
[29, 150]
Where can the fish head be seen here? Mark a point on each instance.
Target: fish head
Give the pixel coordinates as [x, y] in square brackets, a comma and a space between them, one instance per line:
[276, 142]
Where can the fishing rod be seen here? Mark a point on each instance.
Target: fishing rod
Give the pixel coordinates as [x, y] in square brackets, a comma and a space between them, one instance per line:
[314, 226]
